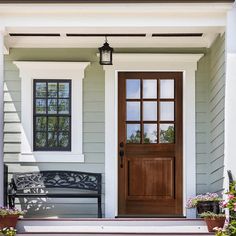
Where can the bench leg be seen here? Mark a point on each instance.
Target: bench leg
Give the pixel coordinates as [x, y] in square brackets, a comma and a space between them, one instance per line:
[99, 207]
[11, 201]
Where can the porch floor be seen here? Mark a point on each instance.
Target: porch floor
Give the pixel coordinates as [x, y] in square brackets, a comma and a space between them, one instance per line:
[121, 226]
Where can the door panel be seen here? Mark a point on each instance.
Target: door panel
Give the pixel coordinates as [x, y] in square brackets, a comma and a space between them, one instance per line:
[150, 143]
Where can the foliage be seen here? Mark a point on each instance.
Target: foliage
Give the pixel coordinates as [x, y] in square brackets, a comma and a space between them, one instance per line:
[192, 202]
[230, 204]
[211, 215]
[8, 231]
[4, 211]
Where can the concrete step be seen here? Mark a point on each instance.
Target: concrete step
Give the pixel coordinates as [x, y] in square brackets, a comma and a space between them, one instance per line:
[154, 226]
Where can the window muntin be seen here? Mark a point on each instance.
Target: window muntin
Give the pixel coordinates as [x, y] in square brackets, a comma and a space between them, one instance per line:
[52, 115]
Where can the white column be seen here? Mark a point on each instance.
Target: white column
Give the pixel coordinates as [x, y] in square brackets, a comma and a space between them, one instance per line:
[230, 95]
[1, 116]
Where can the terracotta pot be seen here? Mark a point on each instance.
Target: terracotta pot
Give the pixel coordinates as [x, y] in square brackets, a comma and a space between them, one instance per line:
[8, 221]
[212, 223]
[212, 206]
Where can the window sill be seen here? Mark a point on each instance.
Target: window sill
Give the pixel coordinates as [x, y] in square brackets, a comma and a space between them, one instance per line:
[51, 157]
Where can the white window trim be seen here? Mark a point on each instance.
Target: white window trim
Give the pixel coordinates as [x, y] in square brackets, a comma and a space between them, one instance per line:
[187, 63]
[30, 70]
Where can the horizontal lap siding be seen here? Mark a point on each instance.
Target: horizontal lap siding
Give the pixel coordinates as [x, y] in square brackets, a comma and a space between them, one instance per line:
[93, 129]
[216, 107]
[202, 124]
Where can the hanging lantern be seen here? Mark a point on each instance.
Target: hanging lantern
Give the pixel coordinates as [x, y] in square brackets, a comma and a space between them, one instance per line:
[105, 53]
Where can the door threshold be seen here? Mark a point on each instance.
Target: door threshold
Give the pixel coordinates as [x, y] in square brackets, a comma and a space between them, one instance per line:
[150, 216]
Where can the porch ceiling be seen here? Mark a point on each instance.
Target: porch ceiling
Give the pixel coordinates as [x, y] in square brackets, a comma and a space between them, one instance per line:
[118, 37]
[208, 19]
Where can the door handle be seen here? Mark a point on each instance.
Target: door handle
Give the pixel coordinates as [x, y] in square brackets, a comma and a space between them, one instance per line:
[121, 153]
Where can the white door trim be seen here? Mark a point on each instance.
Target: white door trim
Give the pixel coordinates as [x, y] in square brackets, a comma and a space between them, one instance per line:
[187, 63]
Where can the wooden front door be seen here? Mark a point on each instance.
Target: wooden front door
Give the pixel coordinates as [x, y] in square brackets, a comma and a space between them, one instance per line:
[150, 144]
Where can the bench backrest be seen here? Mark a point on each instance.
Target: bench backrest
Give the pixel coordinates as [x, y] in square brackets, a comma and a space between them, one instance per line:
[58, 179]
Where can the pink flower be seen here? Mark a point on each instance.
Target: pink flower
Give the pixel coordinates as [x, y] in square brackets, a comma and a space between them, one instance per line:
[230, 196]
[235, 206]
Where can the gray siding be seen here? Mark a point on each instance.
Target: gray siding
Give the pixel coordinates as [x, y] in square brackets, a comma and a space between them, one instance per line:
[210, 92]
[202, 125]
[216, 109]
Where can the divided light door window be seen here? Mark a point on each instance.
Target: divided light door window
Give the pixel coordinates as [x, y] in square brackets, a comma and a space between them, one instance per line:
[52, 115]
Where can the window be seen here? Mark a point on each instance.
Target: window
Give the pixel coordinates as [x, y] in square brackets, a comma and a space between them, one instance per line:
[52, 115]
[51, 121]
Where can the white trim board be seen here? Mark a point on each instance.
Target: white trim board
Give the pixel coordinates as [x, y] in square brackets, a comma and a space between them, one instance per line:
[30, 70]
[187, 63]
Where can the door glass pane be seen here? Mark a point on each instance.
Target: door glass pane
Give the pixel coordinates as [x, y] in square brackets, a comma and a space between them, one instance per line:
[133, 88]
[133, 133]
[40, 106]
[150, 111]
[133, 111]
[52, 90]
[149, 88]
[40, 89]
[167, 133]
[167, 111]
[150, 133]
[167, 88]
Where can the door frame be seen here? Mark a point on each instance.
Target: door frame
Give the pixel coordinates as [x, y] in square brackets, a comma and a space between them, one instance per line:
[135, 62]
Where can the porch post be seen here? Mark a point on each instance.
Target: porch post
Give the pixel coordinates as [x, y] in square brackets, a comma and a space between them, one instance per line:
[230, 95]
[1, 117]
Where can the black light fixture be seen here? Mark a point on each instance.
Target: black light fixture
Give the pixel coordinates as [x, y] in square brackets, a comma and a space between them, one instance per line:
[106, 53]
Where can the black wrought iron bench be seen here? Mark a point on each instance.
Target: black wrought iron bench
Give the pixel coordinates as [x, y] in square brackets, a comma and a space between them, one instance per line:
[38, 185]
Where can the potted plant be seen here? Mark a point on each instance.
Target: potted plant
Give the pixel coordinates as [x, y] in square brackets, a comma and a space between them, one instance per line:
[8, 231]
[205, 202]
[213, 220]
[9, 217]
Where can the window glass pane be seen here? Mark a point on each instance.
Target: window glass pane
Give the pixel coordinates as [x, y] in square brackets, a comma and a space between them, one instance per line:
[167, 88]
[64, 123]
[150, 111]
[133, 88]
[40, 139]
[52, 90]
[41, 123]
[133, 111]
[149, 88]
[63, 139]
[150, 133]
[63, 90]
[52, 106]
[40, 89]
[40, 106]
[167, 111]
[63, 106]
[167, 133]
[52, 123]
[133, 133]
[52, 139]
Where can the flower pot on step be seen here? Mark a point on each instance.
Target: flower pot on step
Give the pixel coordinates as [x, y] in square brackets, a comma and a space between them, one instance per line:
[212, 223]
[204, 206]
[8, 221]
